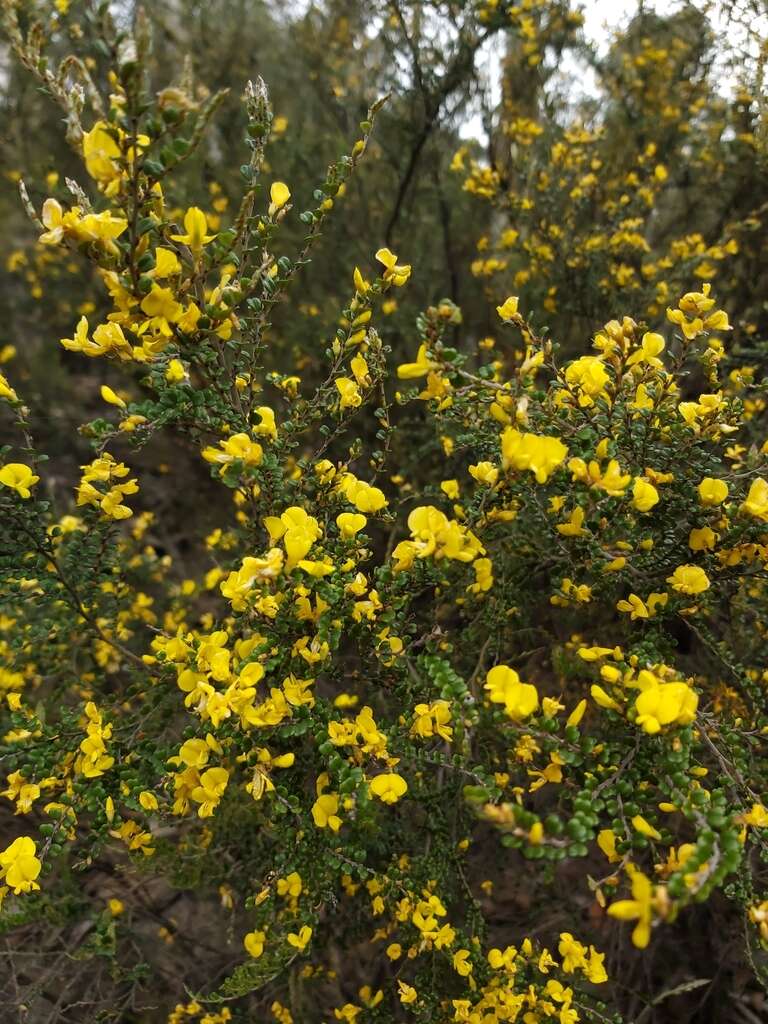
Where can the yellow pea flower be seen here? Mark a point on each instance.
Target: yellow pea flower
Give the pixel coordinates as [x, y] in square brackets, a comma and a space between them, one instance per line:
[407, 993]
[19, 865]
[756, 502]
[508, 309]
[175, 372]
[422, 366]
[602, 699]
[350, 523]
[712, 491]
[100, 150]
[644, 495]
[639, 908]
[645, 828]
[540, 454]
[461, 963]
[689, 579]
[662, 704]
[349, 392]
[208, 794]
[396, 273]
[588, 377]
[324, 812]
[196, 227]
[6, 391]
[606, 840]
[503, 684]
[279, 195]
[577, 714]
[301, 939]
[19, 478]
[388, 787]
[254, 943]
[110, 396]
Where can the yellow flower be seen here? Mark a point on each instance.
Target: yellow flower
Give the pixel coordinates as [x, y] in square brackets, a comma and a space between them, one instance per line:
[362, 495]
[397, 273]
[613, 481]
[645, 828]
[350, 397]
[577, 714]
[350, 523]
[300, 941]
[324, 812]
[161, 303]
[538, 453]
[588, 377]
[53, 219]
[109, 396]
[422, 366]
[359, 366]
[194, 753]
[573, 527]
[291, 886]
[485, 473]
[208, 794]
[196, 227]
[702, 539]
[483, 576]
[19, 478]
[651, 346]
[644, 495]
[757, 817]
[634, 606]
[689, 579]
[100, 150]
[388, 787]
[279, 195]
[298, 532]
[19, 866]
[503, 684]
[175, 372]
[361, 285]
[572, 952]
[432, 720]
[407, 993]
[606, 840]
[602, 699]
[238, 447]
[6, 391]
[254, 943]
[595, 970]
[166, 263]
[267, 426]
[712, 491]
[508, 311]
[756, 502]
[450, 489]
[461, 962]
[639, 908]
[662, 704]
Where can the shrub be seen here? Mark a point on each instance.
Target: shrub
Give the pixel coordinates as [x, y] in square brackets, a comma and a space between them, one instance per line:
[505, 622]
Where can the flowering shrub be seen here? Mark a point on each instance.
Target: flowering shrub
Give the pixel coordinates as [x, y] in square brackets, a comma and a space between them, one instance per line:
[454, 615]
